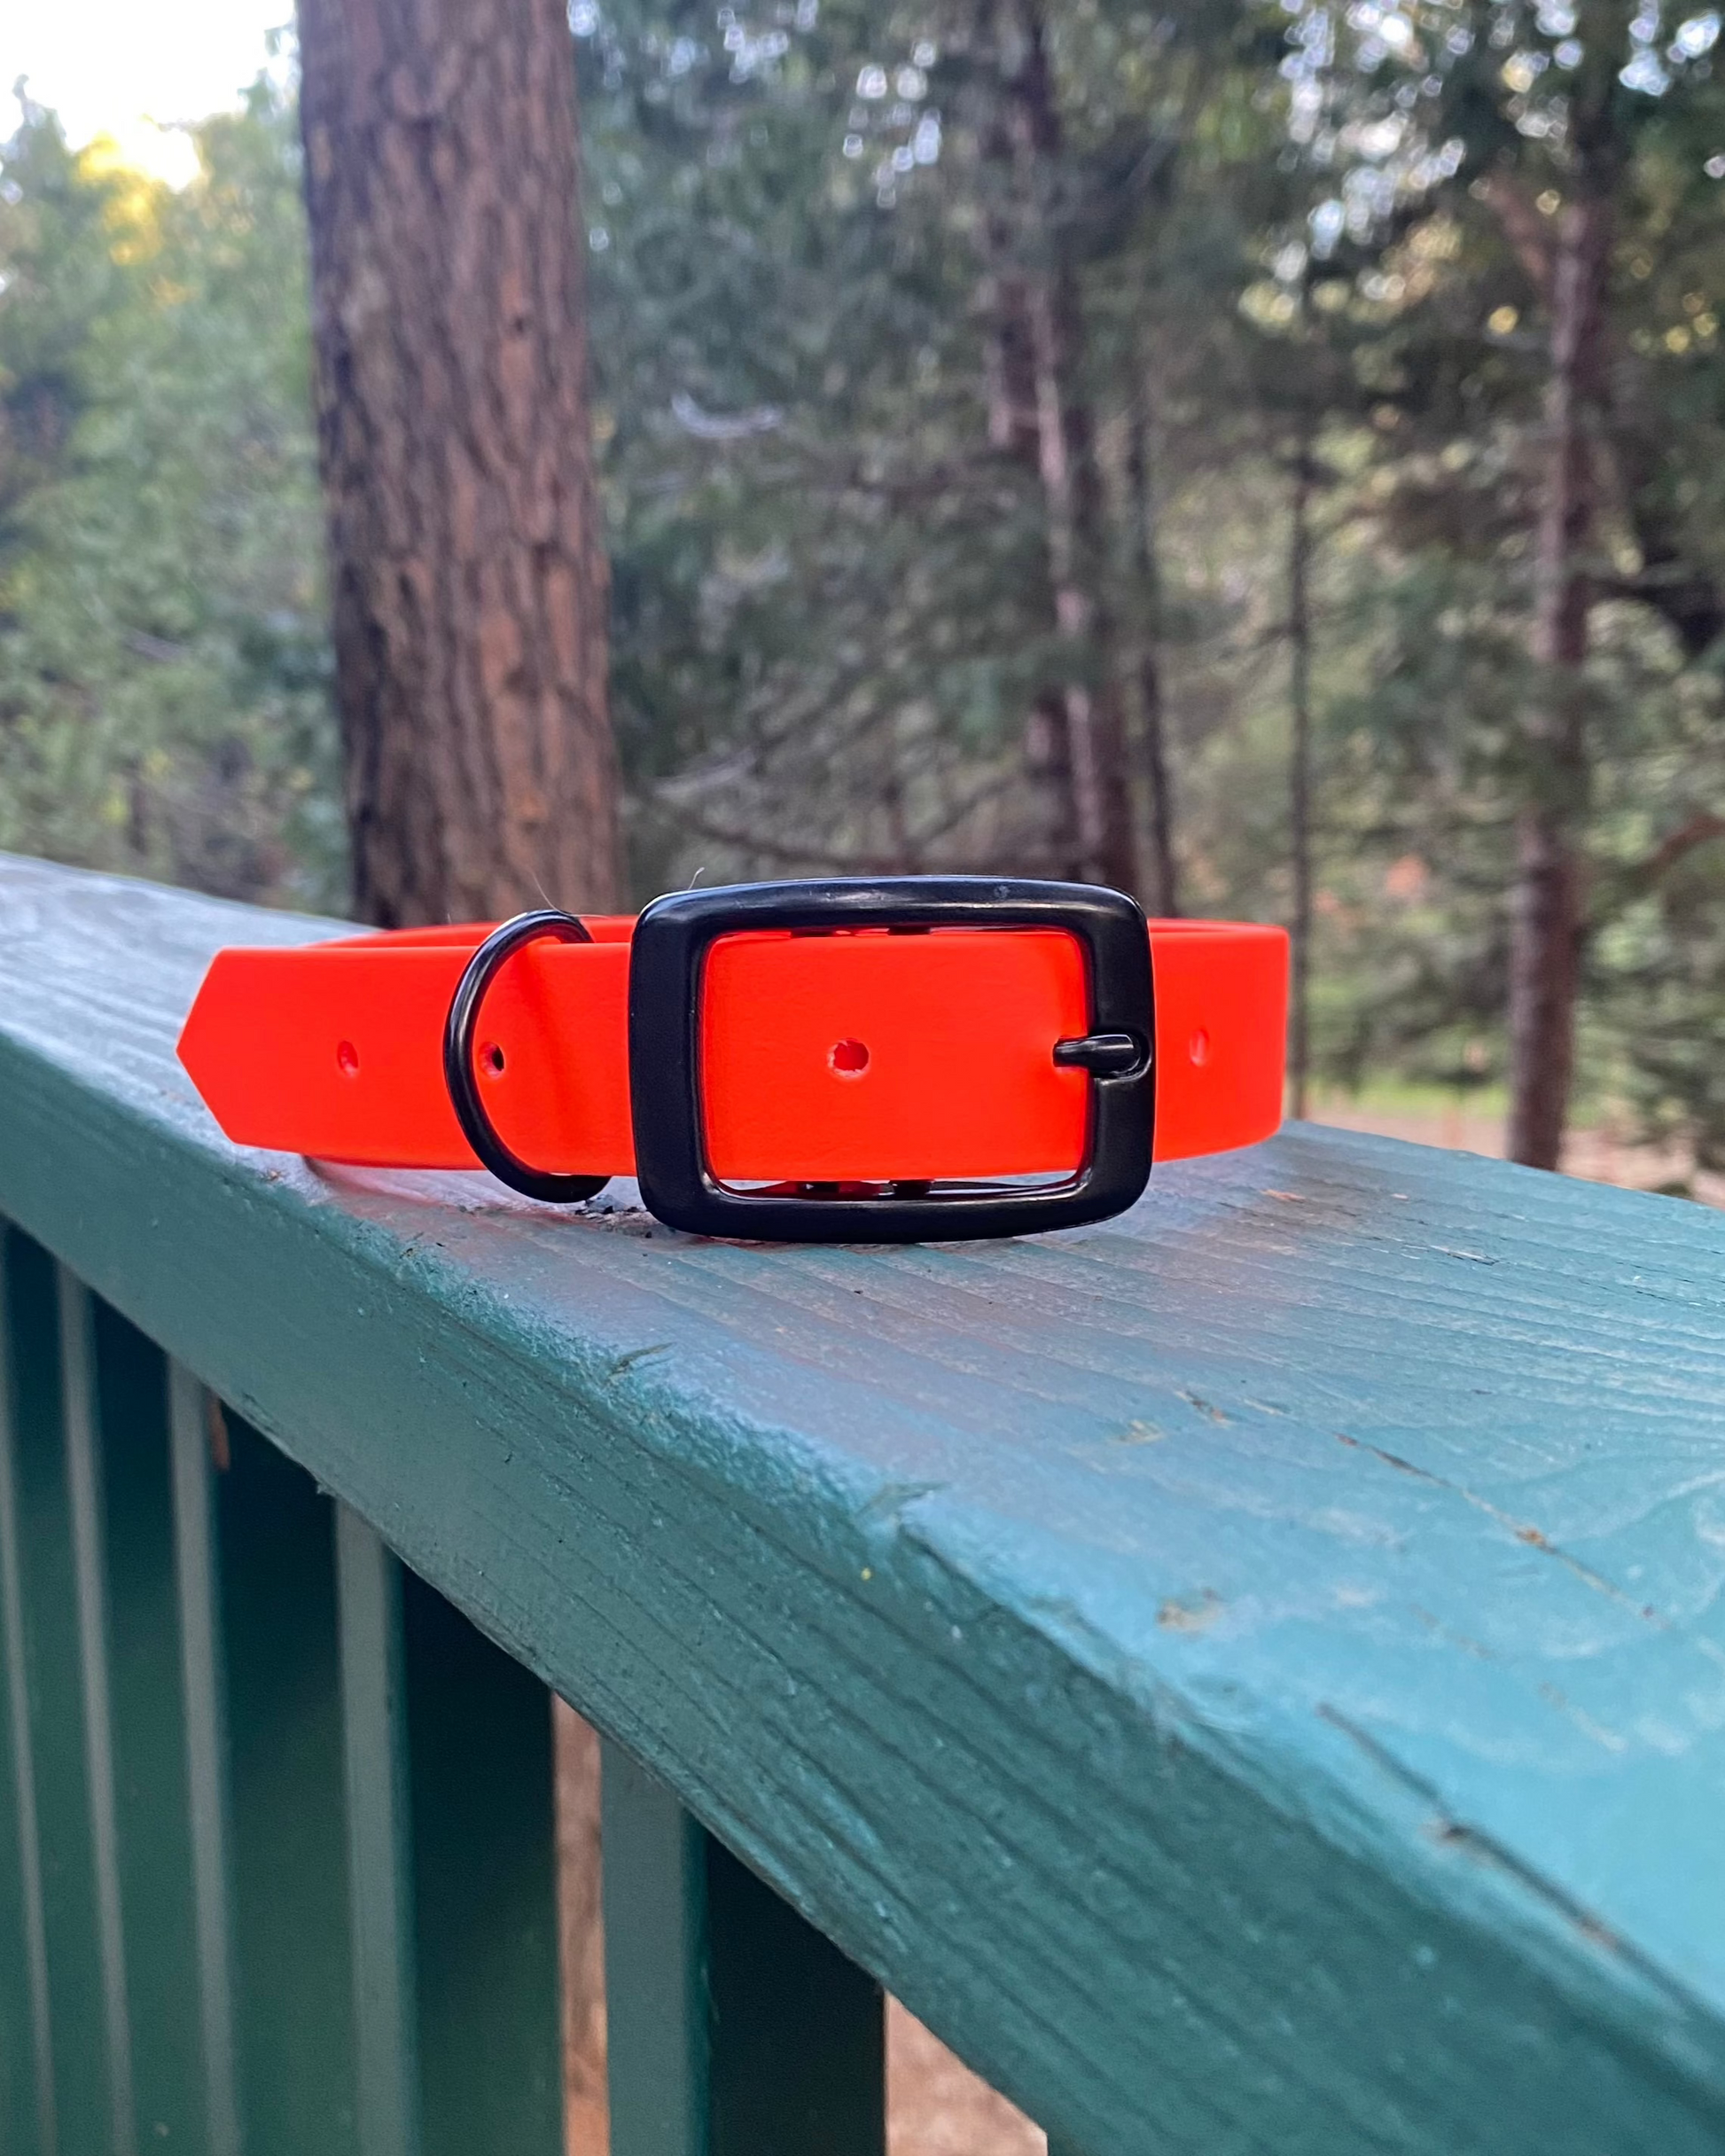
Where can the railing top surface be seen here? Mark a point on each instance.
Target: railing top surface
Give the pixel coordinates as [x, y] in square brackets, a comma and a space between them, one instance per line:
[1256, 1667]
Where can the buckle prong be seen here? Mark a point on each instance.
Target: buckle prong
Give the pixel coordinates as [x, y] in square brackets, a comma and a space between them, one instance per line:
[1104, 1055]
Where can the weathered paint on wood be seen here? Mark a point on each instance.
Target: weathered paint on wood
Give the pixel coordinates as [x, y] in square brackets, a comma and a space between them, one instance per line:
[289, 1860]
[379, 1839]
[90, 1575]
[451, 1866]
[153, 1920]
[204, 1676]
[656, 1999]
[485, 1894]
[77, 2109]
[733, 2027]
[19, 2100]
[1251, 1675]
[29, 2122]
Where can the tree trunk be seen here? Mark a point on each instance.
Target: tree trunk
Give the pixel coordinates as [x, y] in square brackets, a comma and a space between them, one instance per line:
[1546, 918]
[1299, 771]
[1096, 727]
[1152, 715]
[467, 575]
[1039, 409]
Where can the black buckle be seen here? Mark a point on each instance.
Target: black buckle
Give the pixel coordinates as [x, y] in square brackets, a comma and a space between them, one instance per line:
[671, 941]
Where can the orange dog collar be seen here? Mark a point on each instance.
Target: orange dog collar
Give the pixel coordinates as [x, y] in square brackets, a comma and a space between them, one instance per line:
[873, 1060]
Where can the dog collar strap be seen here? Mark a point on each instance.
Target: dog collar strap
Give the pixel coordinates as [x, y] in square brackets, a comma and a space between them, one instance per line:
[771, 1045]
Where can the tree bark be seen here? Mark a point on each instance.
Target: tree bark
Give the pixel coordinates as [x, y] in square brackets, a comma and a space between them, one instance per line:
[1153, 711]
[1038, 408]
[1549, 902]
[1547, 914]
[1300, 771]
[1096, 727]
[468, 579]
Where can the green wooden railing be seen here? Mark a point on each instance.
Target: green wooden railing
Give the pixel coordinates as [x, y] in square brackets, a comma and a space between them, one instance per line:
[1251, 1676]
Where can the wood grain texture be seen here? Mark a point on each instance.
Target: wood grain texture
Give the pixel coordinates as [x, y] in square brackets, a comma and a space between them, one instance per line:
[1250, 1676]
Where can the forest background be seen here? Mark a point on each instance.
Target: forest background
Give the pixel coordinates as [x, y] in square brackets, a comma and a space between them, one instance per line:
[1269, 457]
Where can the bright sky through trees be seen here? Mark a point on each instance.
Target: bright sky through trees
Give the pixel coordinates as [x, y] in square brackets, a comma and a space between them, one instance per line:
[112, 68]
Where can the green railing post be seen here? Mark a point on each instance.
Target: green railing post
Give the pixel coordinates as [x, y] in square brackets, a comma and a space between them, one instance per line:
[120, 1461]
[203, 1677]
[799, 2061]
[734, 2027]
[656, 2010]
[379, 1858]
[83, 1476]
[19, 2091]
[289, 1857]
[29, 2121]
[77, 2107]
[485, 1888]
[451, 1863]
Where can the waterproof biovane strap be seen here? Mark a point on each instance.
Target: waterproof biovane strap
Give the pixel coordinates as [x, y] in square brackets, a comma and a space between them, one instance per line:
[851, 1059]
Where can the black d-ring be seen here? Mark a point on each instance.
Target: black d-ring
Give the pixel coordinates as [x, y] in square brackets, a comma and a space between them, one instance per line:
[458, 1029]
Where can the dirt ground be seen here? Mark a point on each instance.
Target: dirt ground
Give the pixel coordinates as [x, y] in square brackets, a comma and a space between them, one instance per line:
[936, 2106]
[1600, 1153]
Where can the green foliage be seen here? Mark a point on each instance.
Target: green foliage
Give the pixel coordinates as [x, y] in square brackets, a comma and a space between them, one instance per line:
[1445, 142]
[823, 587]
[831, 609]
[164, 702]
[1297, 233]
